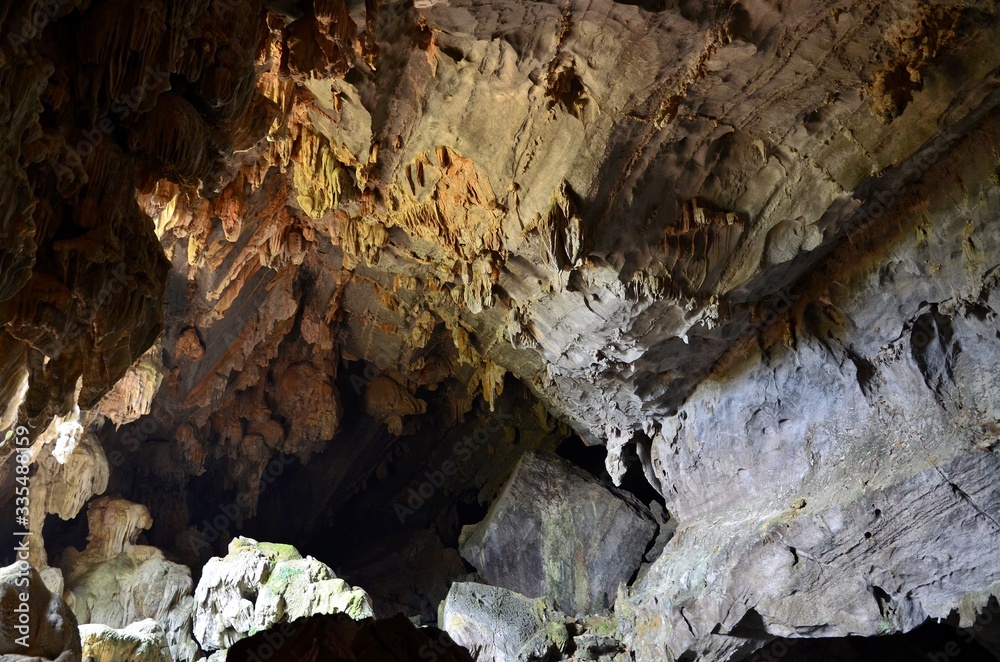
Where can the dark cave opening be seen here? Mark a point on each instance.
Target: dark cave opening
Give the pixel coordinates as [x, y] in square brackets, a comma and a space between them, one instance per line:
[591, 458]
[401, 504]
[59, 535]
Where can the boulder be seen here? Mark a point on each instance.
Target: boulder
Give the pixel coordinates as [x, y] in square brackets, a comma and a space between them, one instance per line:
[144, 641]
[258, 585]
[51, 632]
[500, 625]
[556, 531]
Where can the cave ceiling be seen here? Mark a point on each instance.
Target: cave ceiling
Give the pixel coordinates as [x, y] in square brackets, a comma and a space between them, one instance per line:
[346, 236]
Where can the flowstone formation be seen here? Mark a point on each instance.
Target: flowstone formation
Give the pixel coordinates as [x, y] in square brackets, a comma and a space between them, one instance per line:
[335, 274]
[121, 586]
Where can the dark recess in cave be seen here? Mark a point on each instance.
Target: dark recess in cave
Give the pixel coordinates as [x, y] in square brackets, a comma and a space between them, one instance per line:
[60, 535]
[591, 459]
[931, 642]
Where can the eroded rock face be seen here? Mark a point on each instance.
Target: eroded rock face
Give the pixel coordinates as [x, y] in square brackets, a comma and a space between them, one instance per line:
[867, 432]
[497, 624]
[556, 531]
[260, 585]
[118, 584]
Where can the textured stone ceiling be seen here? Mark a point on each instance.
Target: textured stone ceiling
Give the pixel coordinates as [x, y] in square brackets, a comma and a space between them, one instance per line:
[747, 246]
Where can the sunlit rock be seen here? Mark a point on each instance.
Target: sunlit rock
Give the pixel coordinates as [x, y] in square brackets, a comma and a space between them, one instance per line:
[259, 585]
[143, 641]
[115, 582]
[497, 624]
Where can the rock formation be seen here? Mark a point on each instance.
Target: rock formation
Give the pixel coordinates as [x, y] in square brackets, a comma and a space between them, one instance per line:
[260, 585]
[497, 624]
[143, 641]
[342, 274]
[121, 586]
[34, 623]
[556, 532]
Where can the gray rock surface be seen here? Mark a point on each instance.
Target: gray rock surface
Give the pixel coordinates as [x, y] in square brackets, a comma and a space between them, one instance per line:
[839, 478]
[501, 625]
[556, 531]
[47, 626]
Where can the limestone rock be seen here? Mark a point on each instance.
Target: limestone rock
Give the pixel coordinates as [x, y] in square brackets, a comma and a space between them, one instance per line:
[71, 468]
[497, 624]
[143, 641]
[117, 583]
[75, 469]
[132, 396]
[387, 401]
[860, 484]
[305, 397]
[556, 531]
[51, 631]
[259, 585]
